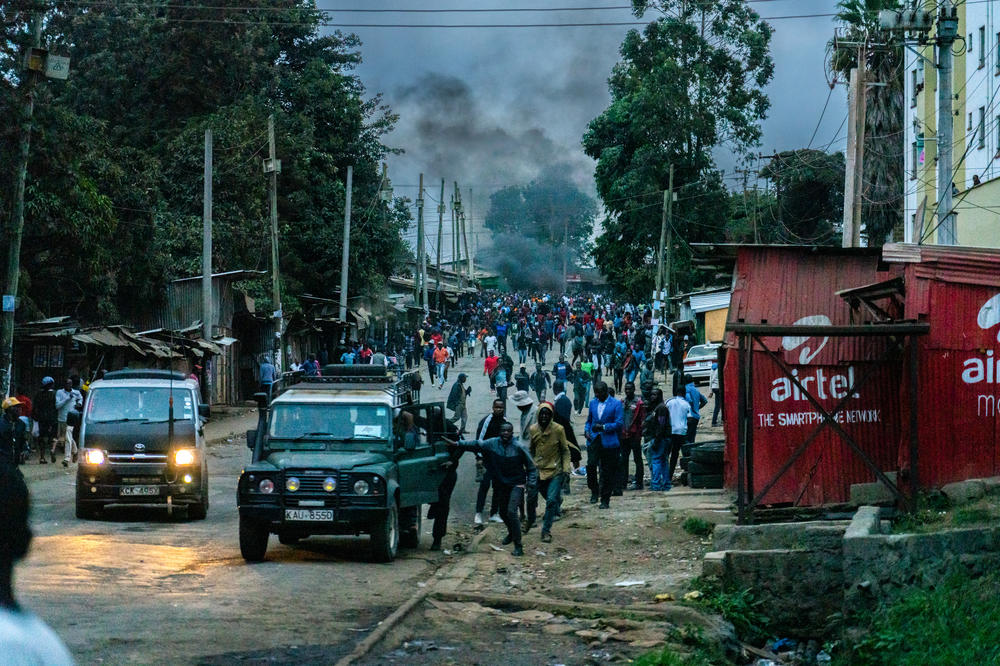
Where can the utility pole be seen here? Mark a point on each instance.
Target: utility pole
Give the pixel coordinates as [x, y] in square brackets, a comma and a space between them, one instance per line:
[668, 197]
[273, 166]
[947, 32]
[437, 281]
[456, 263]
[465, 244]
[346, 247]
[472, 270]
[15, 231]
[421, 253]
[207, 315]
[854, 172]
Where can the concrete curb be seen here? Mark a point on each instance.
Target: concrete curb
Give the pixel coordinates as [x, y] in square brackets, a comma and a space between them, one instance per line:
[448, 577]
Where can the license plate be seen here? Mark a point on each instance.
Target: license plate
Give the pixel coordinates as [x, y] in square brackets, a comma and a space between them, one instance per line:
[140, 490]
[308, 514]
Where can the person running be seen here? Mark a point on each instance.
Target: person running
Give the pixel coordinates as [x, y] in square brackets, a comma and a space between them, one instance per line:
[551, 452]
[441, 357]
[490, 366]
[514, 474]
[540, 382]
[488, 428]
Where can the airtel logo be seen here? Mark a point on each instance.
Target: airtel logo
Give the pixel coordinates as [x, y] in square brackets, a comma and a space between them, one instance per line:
[989, 315]
[791, 343]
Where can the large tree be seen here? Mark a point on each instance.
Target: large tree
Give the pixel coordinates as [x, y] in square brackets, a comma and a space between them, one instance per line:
[690, 83]
[115, 179]
[538, 229]
[882, 192]
[808, 202]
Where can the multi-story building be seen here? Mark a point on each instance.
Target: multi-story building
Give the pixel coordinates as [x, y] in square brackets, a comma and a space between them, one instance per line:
[976, 136]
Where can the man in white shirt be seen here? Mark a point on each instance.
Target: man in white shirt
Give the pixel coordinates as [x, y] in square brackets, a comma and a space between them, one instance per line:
[491, 343]
[679, 410]
[713, 385]
[24, 639]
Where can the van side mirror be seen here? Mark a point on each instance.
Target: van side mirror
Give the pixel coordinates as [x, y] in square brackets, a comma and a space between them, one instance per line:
[261, 399]
[251, 439]
[205, 411]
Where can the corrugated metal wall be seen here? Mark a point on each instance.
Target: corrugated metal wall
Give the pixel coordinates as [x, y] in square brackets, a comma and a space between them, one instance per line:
[783, 286]
[958, 293]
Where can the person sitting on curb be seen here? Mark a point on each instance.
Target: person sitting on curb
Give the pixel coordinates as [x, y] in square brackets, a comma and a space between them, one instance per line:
[513, 472]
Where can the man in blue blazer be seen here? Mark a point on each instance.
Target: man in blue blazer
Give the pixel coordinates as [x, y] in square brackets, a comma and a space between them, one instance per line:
[605, 420]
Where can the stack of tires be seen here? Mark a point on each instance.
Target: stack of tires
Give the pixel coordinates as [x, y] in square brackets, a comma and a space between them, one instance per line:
[704, 465]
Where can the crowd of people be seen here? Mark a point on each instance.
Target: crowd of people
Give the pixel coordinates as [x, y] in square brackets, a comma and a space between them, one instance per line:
[45, 423]
[617, 352]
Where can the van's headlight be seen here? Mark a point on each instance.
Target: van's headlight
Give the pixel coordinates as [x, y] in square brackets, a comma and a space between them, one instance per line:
[361, 487]
[94, 457]
[266, 486]
[184, 456]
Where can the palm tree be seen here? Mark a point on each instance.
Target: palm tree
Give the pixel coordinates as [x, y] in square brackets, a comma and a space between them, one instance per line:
[883, 175]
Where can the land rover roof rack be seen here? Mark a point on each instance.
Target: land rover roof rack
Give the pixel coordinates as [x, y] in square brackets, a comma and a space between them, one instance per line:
[145, 373]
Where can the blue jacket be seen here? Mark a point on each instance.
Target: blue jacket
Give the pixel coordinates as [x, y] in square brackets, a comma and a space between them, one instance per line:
[695, 399]
[613, 421]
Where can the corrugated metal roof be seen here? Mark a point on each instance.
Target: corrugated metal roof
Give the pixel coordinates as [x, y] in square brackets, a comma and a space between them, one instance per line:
[710, 301]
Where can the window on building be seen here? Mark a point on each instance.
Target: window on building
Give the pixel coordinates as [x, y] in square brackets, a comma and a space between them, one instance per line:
[915, 90]
[982, 46]
[969, 128]
[997, 49]
[982, 127]
[915, 158]
[997, 126]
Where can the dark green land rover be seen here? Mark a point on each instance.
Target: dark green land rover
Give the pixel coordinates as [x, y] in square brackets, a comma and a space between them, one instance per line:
[328, 459]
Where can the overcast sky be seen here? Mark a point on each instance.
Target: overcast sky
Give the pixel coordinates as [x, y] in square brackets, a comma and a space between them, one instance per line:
[490, 107]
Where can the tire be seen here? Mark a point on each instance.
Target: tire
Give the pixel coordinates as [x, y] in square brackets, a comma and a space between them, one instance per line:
[288, 539]
[385, 536]
[706, 481]
[709, 453]
[87, 512]
[686, 449]
[253, 540]
[410, 525]
[702, 469]
[199, 511]
[685, 463]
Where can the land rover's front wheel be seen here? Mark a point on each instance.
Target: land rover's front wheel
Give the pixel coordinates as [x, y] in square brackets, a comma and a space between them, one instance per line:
[253, 540]
[385, 536]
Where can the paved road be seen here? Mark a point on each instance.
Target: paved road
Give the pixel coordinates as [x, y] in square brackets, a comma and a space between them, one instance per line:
[141, 586]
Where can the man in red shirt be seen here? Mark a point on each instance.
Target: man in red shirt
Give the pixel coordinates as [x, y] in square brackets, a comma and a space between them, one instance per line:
[440, 363]
[490, 367]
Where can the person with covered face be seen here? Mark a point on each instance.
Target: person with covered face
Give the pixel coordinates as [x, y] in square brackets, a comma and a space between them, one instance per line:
[514, 475]
[551, 452]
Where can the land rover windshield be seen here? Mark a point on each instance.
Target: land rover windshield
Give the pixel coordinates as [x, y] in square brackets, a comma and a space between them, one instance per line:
[316, 426]
[149, 404]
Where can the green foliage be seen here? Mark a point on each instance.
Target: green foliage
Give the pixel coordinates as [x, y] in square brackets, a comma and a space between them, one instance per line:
[882, 199]
[741, 607]
[115, 198]
[975, 515]
[691, 82]
[923, 520]
[809, 201]
[668, 656]
[955, 623]
[698, 526]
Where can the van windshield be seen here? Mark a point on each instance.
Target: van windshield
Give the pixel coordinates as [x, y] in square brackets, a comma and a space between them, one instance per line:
[150, 404]
[309, 426]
